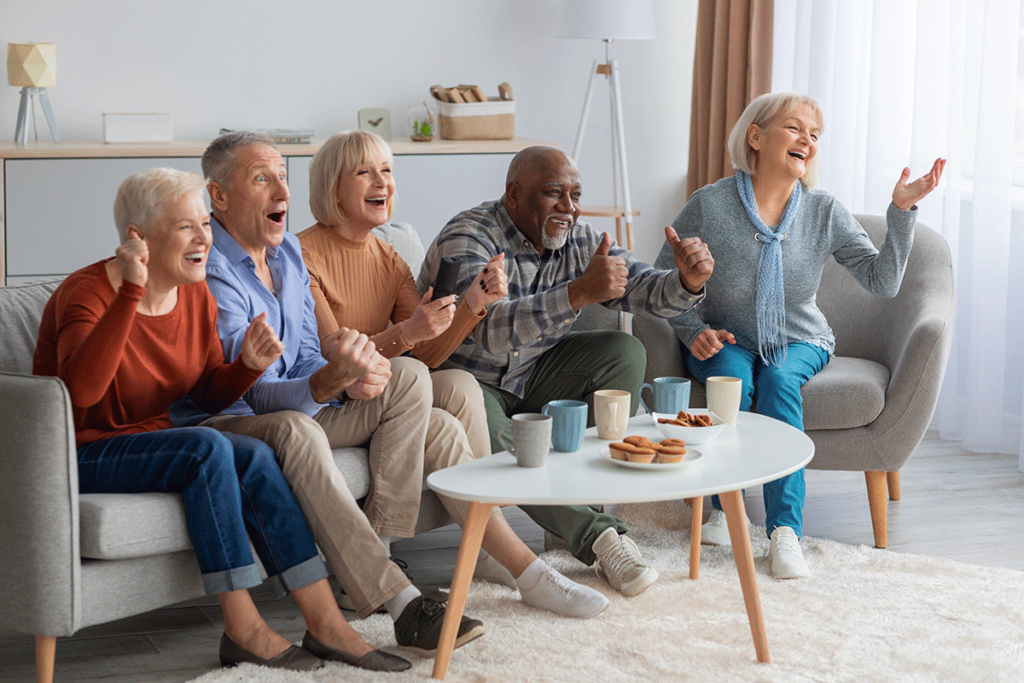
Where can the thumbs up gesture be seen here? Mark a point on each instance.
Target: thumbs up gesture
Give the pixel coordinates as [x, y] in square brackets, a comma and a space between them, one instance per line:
[604, 279]
[693, 259]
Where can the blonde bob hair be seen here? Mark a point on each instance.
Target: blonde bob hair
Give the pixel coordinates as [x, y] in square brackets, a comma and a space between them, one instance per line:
[340, 155]
[141, 198]
[759, 112]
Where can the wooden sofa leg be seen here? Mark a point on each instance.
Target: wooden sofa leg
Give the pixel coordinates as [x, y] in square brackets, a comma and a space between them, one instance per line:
[46, 649]
[877, 503]
[893, 480]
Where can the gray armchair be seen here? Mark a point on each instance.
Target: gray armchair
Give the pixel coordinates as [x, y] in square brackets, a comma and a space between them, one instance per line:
[870, 406]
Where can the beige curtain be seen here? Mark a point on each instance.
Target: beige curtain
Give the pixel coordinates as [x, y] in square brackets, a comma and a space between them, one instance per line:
[732, 66]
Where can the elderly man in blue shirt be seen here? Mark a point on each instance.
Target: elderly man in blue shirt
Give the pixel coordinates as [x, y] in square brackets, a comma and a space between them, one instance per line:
[524, 354]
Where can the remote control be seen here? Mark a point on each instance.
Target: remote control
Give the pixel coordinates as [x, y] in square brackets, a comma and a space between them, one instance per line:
[447, 277]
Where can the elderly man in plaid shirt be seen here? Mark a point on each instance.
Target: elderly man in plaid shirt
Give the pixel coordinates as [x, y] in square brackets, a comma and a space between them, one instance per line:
[523, 352]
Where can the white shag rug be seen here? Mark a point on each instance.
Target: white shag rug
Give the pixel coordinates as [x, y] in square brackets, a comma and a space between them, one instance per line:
[865, 615]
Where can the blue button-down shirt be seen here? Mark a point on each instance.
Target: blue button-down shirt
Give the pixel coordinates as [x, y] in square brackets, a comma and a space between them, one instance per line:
[536, 315]
[241, 296]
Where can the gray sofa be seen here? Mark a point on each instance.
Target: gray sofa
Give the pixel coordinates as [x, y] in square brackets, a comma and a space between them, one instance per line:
[72, 560]
[870, 406]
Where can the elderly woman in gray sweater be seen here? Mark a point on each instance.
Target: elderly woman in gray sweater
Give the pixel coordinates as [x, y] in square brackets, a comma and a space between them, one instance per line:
[770, 233]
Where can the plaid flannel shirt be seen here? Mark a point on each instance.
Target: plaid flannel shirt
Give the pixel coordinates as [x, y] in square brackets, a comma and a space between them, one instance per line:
[536, 315]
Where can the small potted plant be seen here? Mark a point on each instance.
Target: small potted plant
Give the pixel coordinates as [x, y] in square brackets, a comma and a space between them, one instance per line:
[421, 123]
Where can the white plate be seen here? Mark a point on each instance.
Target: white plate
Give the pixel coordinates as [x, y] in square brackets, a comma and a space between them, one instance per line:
[692, 455]
[691, 435]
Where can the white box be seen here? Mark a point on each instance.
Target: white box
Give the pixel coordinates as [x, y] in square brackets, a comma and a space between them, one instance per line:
[137, 128]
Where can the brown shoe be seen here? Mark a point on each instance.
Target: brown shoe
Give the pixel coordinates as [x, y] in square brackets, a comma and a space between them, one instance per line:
[294, 658]
[378, 660]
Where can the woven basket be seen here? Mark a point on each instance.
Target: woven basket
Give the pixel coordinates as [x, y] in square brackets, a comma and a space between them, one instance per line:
[491, 120]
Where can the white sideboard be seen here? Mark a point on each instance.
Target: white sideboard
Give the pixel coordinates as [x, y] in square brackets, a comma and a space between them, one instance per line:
[58, 198]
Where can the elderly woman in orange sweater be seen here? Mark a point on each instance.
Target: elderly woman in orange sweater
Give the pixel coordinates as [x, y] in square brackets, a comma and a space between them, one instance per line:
[129, 335]
[359, 281]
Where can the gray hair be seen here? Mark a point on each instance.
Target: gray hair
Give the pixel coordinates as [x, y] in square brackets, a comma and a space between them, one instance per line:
[339, 155]
[141, 198]
[219, 158]
[759, 112]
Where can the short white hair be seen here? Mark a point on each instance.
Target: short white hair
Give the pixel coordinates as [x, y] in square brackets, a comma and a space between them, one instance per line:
[759, 112]
[141, 198]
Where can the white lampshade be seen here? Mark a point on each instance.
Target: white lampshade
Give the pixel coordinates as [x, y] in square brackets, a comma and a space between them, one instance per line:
[608, 19]
[32, 65]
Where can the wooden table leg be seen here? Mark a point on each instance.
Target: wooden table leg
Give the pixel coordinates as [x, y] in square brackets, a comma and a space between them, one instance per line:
[739, 534]
[469, 549]
[697, 508]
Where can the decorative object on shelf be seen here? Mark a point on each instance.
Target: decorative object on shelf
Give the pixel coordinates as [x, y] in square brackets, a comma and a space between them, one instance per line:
[376, 121]
[421, 123]
[33, 68]
[609, 20]
[466, 113]
[138, 128]
[285, 136]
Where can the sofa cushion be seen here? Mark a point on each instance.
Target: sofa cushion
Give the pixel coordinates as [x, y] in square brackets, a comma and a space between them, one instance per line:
[21, 308]
[406, 241]
[848, 393]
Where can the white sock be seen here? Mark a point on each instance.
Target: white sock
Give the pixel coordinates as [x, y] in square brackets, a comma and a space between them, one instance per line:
[532, 574]
[396, 605]
[386, 540]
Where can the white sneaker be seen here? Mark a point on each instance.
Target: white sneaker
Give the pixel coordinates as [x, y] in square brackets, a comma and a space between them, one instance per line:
[715, 531]
[620, 563]
[555, 593]
[785, 555]
[488, 569]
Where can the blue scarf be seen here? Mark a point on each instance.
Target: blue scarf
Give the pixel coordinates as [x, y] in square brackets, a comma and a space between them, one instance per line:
[771, 297]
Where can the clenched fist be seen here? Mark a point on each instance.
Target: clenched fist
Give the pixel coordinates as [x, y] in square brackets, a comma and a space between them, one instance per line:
[693, 259]
[604, 279]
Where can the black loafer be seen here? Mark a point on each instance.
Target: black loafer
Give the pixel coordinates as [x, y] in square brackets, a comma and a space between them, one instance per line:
[378, 660]
[294, 658]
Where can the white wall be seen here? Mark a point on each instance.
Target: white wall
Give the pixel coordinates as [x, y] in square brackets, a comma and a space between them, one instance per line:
[314, 63]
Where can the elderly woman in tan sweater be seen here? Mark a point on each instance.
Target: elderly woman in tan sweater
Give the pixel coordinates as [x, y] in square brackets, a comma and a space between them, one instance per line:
[359, 281]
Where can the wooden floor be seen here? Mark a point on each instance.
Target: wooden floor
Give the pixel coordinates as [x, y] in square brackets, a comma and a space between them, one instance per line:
[956, 505]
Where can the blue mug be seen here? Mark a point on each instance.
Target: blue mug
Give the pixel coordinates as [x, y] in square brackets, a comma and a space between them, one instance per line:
[568, 424]
[671, 394]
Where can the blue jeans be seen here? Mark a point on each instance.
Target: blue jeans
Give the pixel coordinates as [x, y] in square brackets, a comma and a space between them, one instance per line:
[777, 391]
[229, 484]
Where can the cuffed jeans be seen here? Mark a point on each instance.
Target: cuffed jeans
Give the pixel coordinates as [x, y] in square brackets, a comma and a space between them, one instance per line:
[229, 484]
[575, 368]
[777, 392]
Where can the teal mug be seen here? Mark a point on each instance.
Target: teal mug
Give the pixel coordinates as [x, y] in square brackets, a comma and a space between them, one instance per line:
[671, 394]
[568, 424]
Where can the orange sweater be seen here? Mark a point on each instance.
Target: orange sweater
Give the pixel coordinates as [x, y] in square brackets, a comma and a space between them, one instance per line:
[366, 286]
[123, 370]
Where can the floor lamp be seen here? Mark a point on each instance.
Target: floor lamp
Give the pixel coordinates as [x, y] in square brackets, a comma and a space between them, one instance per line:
[609, 20]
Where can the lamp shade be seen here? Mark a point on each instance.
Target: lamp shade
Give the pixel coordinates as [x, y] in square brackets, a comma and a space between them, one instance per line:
[608, 19]
[32, 65]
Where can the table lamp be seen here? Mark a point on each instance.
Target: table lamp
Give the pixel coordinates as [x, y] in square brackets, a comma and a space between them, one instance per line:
[609, 20]
[33, 68]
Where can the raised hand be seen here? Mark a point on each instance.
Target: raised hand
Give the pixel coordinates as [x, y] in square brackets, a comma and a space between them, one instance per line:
[351, 355]
[132, 259]
[430, 318]
[709, 342]
[693, 259]
[372, 384]
[906, 195]
[260, 346]
[604, 279]
[488, 286]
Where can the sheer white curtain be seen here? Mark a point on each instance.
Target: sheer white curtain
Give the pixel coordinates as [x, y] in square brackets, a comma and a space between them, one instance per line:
[902, 83]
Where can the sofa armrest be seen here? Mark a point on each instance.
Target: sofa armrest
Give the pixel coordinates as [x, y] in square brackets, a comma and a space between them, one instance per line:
[40, 575]
[664, 352]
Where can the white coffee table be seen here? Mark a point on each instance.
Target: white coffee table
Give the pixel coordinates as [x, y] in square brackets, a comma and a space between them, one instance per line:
[756, 450]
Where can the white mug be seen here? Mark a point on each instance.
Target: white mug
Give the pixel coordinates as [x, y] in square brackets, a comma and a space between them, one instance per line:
[724, 397]
[611, 413]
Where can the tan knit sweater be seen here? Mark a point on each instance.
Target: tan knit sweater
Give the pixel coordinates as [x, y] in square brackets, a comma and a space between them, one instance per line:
[365, 286]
